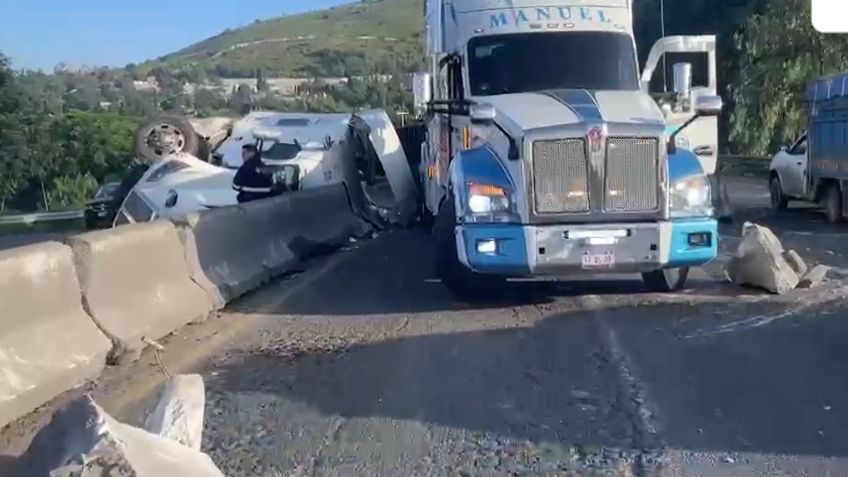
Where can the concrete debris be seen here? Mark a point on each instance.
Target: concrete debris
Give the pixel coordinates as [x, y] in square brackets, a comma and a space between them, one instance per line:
[82, 440]
[759, 262]
[796, 262]
[581, 395]
[178, 414]
[814, 277]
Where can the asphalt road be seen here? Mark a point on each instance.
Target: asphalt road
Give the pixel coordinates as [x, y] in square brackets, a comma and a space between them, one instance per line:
[365, 365]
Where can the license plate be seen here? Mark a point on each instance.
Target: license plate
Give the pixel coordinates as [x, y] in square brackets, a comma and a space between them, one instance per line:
[598, 260]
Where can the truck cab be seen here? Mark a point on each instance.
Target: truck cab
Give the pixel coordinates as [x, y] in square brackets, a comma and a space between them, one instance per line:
[545, 153]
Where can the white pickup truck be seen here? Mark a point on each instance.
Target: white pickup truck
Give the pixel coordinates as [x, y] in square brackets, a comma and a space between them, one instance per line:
[788, 174]
[815, 167]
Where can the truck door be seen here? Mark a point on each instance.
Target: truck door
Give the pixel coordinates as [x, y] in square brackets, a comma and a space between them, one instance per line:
[459, 124]
[794, 173]
[687, 70]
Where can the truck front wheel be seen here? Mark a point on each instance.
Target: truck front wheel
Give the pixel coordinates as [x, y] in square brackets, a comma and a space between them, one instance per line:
[778, 200]
[833, 203]
[666, 280]
[463, 283]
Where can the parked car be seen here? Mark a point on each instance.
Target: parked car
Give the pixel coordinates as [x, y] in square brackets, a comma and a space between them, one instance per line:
[101, 209]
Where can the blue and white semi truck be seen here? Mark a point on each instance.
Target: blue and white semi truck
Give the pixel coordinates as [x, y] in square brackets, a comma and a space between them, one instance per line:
[546, 154]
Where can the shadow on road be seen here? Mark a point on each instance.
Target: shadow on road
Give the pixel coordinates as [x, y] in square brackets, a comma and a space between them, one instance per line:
[546, 383]
[395, 274]
[9, 466]
[775, 390]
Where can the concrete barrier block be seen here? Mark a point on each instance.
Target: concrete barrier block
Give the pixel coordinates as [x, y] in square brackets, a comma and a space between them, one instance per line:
[48, 344]
[321, 221]
[224, 251]
[271, 222]
[136, 284]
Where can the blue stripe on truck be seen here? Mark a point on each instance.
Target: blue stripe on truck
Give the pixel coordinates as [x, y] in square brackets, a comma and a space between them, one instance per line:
[580, 101]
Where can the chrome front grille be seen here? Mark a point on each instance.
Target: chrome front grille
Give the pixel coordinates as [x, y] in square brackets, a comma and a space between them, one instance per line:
[560, 176]
[631, 174]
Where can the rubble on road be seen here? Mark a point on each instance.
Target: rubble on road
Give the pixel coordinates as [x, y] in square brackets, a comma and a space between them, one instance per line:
[178, 415]
[760, 261]
[796, 262]
[82, 440]
[814, 277]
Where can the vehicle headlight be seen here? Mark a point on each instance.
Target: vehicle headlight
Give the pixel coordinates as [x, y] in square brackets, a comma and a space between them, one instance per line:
[489, 203]
[166, 169]
[690, 197]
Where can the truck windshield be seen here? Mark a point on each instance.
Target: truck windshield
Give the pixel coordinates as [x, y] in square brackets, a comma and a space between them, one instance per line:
[528, 62]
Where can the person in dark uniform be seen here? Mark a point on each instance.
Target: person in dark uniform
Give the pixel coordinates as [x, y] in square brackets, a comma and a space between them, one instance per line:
[251, 182]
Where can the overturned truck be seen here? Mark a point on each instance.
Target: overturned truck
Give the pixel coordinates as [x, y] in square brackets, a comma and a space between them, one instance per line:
[188, 166]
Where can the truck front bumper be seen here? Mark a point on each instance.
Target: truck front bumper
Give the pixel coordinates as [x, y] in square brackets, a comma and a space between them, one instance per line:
[525, 250]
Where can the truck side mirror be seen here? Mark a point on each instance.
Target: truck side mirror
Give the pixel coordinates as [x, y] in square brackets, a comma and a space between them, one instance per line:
[422, 88]
[709, 106]
[482, 113]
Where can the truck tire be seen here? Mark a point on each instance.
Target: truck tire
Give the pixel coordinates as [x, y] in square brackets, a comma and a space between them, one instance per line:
[166, 135]
[666, 280]
[425, 218]
[779, 201]
[832, 202]
[463, 283]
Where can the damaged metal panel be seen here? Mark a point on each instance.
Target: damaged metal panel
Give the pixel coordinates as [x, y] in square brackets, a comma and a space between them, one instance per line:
[386, 144]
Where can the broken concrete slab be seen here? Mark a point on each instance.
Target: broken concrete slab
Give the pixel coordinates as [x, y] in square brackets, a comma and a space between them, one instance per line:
[82, 440]
[796, 262]
[759, 262]
[178, 414]
[814, 277]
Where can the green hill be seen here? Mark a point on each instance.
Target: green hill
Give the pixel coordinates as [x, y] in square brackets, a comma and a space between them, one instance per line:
[353, 39]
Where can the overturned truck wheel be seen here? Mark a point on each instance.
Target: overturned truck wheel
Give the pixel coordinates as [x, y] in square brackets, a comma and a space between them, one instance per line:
[167, 135]
[832, 202]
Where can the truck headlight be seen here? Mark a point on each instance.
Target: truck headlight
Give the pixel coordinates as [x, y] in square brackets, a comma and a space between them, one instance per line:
[690, 197]
[489, 203]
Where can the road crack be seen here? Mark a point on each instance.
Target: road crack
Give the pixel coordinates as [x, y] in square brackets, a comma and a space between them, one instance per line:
[632, 397]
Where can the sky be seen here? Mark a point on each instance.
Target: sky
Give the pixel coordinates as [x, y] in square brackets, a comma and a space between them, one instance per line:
[40, 34]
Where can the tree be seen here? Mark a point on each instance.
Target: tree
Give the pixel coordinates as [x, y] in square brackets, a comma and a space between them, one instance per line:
[776, 56]
[242, 99]
[261, 82]
[207, 101]
[71, 191]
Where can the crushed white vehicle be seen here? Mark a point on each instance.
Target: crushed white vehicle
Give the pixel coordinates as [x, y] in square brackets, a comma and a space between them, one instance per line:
[194, 171]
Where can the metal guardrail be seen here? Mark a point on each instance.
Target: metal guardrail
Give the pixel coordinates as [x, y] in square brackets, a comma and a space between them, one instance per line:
[744, 165]
[40, 217]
